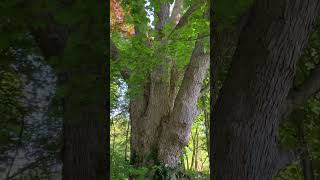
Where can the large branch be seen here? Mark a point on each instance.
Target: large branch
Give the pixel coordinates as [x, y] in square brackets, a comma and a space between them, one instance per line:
[177, 128]
[176, 11]
[163, 16]
[195, 74]
[185, 17]
[299, 96]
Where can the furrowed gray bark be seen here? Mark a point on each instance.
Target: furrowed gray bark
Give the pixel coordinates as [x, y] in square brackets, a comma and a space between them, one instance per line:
[176, 11]
[246, 117]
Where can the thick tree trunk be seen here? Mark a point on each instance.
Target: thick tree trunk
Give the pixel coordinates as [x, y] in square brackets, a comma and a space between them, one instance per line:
[84, 131]
[146, 113]
[84, 153]
[247, 113]
[162, 117]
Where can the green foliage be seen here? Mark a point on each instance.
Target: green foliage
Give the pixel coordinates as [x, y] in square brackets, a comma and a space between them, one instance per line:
[141, 53]
[292, 172]
[197, 175]
[10, 96]
[227, 11]
[121, 169]
[11, 109]
[120, 166]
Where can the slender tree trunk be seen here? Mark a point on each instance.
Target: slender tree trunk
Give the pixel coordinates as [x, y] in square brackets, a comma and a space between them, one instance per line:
[298, 117]
[203, 162]
[248, 109]
[114, 138]
[127, 138]
[196, 147]
[193, 151]
[185, 154]
[306, 164]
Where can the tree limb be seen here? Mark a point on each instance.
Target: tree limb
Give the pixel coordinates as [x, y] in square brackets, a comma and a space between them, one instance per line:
[184, 19]
[192, 39]
[287, 157]
[184, 109]
[300, 95]
[176, 12]
[163, 15]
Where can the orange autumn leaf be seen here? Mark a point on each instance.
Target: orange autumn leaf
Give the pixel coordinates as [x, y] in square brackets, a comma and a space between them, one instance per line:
[117, 16]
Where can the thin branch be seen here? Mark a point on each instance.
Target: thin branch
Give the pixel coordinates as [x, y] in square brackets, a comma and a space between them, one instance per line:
[184, 19]
[192, 39]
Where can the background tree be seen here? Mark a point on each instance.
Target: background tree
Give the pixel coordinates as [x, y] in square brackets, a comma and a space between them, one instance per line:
[70, 35]
[164, 65]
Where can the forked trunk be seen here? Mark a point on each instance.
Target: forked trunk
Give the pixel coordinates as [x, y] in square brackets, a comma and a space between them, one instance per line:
[161, 118]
